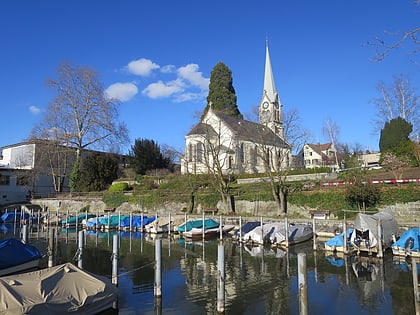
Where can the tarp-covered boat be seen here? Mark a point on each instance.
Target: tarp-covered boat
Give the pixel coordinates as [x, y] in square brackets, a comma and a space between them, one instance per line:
[137, 222]
[408, 244]
[208, 224]
[197, 233]
[72, 221]
[247, 227]
[275, 233]
[16, 256]
[336, 244]
[61, 289]
[372, 232]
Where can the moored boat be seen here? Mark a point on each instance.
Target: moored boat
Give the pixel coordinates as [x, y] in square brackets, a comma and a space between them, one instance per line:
[336, 243]
[374, 233]
[197, 233]
[207, 223]
[16, 256]
[57, 290]
[408, 244]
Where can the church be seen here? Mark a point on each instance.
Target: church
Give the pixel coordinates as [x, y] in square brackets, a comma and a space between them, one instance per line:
[223, 143]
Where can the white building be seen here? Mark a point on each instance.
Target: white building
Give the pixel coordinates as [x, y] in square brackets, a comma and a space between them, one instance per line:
[318, 155]
[236, 145]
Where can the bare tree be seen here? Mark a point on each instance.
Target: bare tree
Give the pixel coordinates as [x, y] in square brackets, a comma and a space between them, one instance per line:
[391, 41]
[81, 114]
[397, 100]
[395, 164]
[214, 152]
[332, 131]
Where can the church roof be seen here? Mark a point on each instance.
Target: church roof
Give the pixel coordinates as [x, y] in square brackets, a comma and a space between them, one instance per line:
[244, 130]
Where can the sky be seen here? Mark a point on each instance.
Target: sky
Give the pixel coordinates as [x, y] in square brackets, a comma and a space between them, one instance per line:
[157, 56]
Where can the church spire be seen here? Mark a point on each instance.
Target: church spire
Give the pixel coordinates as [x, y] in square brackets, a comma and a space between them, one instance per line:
[269, 86]
[270, 105]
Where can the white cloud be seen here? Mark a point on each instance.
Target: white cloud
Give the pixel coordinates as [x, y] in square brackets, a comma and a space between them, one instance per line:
[142, 67]
[191, 74]
[161, 89]
[34, 109]
[168, 69]
[121, 91]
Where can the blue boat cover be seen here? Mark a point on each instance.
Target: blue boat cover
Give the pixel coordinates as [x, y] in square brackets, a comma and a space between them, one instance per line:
[136, 221]
[338, 240]
[13, 252]
[12, 217]
[208, 224]
[409, 240]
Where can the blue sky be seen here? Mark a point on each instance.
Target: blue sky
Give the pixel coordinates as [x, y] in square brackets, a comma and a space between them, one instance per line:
[157, 57]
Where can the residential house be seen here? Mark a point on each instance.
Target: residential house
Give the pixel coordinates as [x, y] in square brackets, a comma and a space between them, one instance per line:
[318, 155]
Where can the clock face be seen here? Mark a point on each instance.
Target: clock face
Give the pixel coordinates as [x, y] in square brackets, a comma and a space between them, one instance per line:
[265, 105]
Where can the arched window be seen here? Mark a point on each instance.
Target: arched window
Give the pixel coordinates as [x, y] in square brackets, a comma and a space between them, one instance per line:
[241, 154]
[199, 152]
[190, 152]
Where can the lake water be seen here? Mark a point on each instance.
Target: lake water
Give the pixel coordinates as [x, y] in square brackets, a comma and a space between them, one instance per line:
[258, 280]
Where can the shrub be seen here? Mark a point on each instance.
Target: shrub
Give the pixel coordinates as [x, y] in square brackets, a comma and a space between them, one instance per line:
[123, 186]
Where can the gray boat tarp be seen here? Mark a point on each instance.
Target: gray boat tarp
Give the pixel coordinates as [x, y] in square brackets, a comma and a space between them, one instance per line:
[61, 289]
[369, 223]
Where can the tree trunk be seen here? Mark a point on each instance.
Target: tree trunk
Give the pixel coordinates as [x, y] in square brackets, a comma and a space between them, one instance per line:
[192, 199]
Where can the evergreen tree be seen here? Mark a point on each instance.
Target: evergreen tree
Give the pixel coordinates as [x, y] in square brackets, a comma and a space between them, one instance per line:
[98, 171]
[394, 134]
[222, 95]
[146, 155]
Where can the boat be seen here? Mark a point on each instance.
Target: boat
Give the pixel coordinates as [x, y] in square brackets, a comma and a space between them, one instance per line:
[16, 256]
[197, 233]
[374, 233]
[60, 289]
[162, 225]
[245, 228]
[275, 234]
[297, 233]
[72, 220]
[336, 244]
[105, 222]
[135, 222]
[408, 244]
[207, 223]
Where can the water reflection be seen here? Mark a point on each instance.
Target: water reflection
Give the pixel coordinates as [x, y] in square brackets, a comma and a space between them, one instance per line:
[258, 280]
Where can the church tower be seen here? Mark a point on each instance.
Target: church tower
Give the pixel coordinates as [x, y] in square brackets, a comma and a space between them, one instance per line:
[270, 109]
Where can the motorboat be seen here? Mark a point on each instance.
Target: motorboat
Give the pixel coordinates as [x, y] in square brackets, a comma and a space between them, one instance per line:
[16, 256]
[60, 289]
[197, 233]
[275, 234]
[374, 233]
[336, 243]
[207, 223]
[408, 244]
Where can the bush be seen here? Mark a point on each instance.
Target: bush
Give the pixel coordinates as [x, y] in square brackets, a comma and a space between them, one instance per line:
[119, 187]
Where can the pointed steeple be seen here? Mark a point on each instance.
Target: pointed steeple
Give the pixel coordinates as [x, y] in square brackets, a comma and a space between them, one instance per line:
[270, 104]
[269, 86]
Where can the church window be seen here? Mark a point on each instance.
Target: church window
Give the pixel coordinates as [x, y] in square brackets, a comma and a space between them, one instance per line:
[190, 152]
[199, 152]
[241, 154]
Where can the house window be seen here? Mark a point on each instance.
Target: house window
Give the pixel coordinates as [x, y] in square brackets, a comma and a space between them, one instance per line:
[4, 180]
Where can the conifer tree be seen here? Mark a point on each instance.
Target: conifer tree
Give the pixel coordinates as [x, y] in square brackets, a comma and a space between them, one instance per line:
[222, 97]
